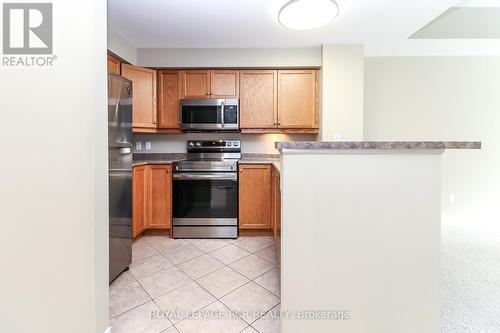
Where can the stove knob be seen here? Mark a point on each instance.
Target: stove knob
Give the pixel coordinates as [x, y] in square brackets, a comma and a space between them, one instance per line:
[191, 144]
[198, 144]
[235, 144]
[229, 144]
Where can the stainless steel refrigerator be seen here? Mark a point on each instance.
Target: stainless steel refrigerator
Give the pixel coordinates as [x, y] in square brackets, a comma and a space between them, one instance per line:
[120, 174]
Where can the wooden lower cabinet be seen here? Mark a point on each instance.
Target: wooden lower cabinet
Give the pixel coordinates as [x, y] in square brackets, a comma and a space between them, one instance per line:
[255, 196]
[160, 197]
[151, 198]
[276, 211]
[139, 200]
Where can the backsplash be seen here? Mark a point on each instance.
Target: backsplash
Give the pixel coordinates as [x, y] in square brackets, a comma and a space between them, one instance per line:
[250, 143]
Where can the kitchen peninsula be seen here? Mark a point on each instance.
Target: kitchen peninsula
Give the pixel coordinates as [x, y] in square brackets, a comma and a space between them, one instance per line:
[367, 218]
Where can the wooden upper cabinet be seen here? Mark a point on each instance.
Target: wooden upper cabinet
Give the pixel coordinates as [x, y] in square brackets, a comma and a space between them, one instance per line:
[139, 200]
[169, 94]
[224, 83]
[113, 65]
[298, 99]
[254, 196]
[143, 95]
[196, 84]
[160, 196]
[258, 98]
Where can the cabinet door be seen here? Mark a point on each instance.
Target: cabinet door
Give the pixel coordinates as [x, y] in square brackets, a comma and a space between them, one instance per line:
[258, 98]
[143, 95]
[224, 83]
[297, 99]
[113, 65]
[169, 94]
[196, 84]
[254, 196]
[276, 212]
[160, 196]
[139, 200]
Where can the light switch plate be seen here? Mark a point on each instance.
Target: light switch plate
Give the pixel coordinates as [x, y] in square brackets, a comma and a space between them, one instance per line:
[148, 145]
[138, 145]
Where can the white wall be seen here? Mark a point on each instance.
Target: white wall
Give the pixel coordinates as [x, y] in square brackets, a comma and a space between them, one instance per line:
[122, 47]
[342, 92]
[250, 143]
[443, 98]
[359, 235]
[53, 184]
[233, 57]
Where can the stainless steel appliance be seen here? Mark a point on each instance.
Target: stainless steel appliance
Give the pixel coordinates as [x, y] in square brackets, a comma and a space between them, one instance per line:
[205, 190]
[209, 114]
[120, 174]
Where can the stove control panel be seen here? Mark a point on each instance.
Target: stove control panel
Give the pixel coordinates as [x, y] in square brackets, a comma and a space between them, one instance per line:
[213, 145]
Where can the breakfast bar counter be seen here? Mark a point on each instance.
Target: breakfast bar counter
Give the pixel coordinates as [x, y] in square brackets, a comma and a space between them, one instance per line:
[367, 218]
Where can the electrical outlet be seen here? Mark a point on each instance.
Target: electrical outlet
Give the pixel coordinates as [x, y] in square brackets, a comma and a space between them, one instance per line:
[337, 137]
[148, 145]
[452, 199]
[138, 145]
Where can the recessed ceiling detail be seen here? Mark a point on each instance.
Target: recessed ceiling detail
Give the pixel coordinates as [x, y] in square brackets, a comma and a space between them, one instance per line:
[463, 23]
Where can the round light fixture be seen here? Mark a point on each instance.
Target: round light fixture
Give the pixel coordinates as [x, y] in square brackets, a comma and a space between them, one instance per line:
[307, 14]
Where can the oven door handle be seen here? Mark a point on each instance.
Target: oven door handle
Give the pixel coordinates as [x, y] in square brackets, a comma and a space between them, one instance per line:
[205, 176]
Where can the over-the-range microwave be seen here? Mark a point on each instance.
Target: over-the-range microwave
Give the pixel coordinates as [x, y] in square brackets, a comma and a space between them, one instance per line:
[209, 114]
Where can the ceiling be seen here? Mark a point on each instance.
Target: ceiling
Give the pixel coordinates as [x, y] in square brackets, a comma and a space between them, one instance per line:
[253, 23]
[464, 23]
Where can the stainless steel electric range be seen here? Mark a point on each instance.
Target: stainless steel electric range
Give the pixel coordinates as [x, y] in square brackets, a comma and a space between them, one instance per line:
[205, 190]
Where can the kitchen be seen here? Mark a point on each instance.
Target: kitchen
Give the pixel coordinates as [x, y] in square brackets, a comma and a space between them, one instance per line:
[250, 166]
[217, 199]
[212, 129]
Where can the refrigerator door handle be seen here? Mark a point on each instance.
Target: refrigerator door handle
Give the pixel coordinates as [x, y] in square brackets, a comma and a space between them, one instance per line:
[125, 151]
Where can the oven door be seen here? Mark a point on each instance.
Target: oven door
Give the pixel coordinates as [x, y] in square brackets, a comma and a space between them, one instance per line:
[205, 199]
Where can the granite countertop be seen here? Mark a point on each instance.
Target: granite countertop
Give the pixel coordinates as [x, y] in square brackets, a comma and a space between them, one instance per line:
[379, 145]
[169, 158]
[253, 158]
[157, 158]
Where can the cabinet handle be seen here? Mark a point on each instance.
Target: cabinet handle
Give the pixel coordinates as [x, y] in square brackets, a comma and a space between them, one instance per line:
[275, 123]
[279, 122]
[241, 171]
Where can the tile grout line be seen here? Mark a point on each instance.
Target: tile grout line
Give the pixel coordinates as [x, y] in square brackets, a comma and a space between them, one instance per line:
[152, 299]
[218, 299]
[198, 284]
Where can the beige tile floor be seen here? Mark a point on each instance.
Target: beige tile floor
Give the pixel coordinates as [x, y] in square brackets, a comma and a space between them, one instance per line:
[198, 285]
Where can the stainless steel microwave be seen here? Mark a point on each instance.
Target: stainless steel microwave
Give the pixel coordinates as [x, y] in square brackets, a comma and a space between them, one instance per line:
[209, 114]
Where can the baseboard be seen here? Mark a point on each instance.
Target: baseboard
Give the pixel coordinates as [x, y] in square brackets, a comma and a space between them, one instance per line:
[256, 232]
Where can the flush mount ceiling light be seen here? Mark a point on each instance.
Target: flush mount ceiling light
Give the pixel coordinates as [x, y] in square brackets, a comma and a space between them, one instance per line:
[307, 14]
